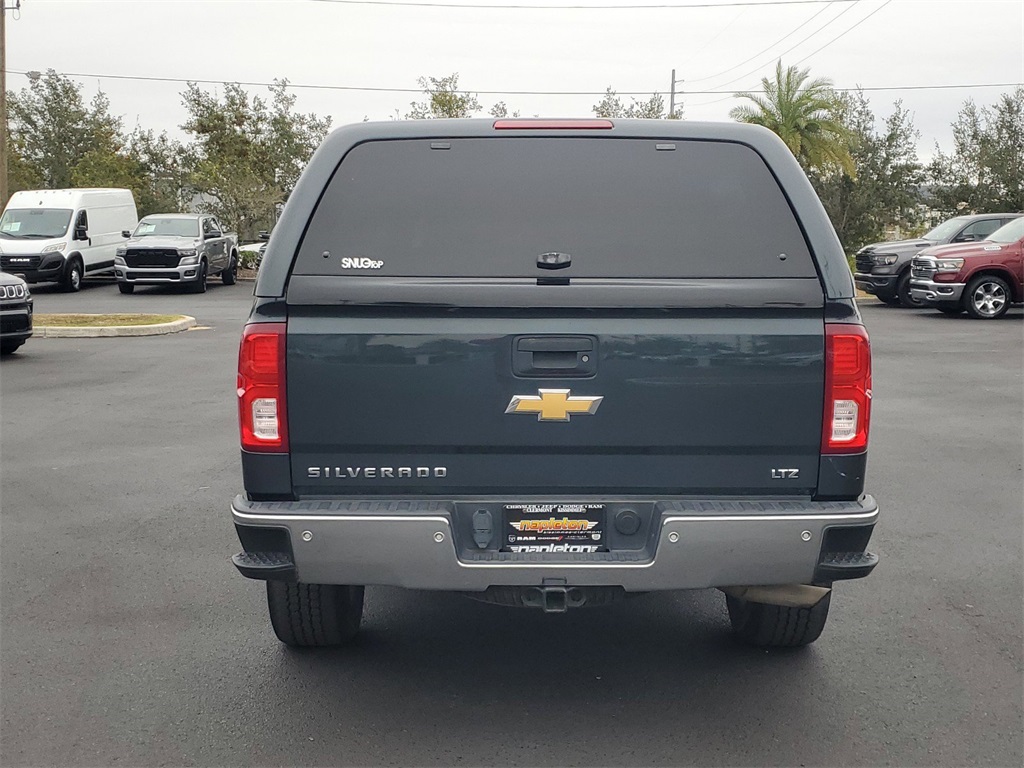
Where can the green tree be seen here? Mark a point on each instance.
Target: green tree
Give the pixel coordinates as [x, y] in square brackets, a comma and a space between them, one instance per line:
[1005, 129]
[500, 110]
[21, 174]
[803, 113]
[653, 108]
[147, 164]
[161, 166]
[443, 99]
[246, 154]
[985, 171]
[107, 167]
[610, 105]
[885, 188]
[59, 141]
[52, 130]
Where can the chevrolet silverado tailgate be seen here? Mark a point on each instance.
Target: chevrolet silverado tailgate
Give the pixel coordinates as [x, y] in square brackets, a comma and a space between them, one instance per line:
[432, 349]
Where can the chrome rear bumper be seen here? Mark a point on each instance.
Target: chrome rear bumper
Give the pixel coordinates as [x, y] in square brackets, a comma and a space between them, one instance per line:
[411, 544]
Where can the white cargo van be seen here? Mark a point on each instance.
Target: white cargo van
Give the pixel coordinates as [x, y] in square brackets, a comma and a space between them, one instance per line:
[65, 235]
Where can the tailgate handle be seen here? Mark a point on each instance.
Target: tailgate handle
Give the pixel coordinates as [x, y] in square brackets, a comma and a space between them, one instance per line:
[554, 356]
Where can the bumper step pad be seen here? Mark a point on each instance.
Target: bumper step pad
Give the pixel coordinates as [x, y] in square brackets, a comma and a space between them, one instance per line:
[836, 566]
[270, 566]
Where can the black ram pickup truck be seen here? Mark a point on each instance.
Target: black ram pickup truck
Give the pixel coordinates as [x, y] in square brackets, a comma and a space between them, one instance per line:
[550, 363]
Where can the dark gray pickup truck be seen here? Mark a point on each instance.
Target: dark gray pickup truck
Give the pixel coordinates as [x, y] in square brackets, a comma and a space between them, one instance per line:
[550, 363]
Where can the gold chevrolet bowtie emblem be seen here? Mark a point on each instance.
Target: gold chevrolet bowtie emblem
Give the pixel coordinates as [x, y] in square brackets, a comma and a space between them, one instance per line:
[553, 404]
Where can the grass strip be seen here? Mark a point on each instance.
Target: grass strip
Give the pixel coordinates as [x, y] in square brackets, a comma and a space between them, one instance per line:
[102, 321]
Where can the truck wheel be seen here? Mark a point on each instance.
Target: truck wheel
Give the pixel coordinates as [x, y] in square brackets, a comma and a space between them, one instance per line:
[126, 288]
[228, 275]
[72, 280]
[777, 626]
[903, 291]
[9, 347]
[314, 615]
[987, 297]
[199, 286]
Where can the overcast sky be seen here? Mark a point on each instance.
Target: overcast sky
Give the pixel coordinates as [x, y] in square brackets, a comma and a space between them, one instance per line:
[877, 43]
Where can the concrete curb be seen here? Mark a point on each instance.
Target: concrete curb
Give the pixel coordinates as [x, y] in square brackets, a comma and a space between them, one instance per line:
[158, 329]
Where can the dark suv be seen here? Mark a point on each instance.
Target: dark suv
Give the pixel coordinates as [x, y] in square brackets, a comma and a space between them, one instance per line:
[883, 269]
[15, 313]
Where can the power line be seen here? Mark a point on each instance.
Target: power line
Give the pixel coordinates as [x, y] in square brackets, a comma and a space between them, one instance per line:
[528, 6]
[759, 67]
[760, 53]
[826, 45]
[380, 89]
[847, 31]
[710, 40]
[577, 7]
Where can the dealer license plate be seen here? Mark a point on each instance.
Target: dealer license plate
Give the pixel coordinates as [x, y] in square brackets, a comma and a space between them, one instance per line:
[554, 528]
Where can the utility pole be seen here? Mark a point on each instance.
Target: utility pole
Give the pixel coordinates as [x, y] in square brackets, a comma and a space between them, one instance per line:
[672, 95]
[4, 7]
[3, 103]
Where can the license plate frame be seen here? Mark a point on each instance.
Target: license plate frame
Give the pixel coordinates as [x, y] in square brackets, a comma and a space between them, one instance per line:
[555, 528]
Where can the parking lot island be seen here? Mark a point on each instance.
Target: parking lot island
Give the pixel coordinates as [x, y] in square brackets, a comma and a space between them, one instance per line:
[91, 325]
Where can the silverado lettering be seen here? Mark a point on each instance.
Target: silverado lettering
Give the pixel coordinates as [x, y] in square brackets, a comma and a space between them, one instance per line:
[341, 473]
[708, 309]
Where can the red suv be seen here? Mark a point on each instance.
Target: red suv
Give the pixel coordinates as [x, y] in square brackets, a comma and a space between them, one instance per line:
[982, 279]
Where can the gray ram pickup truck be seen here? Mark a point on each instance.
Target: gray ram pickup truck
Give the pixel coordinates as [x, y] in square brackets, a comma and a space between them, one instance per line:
[546, 364]
[176, 249]
[883, 269]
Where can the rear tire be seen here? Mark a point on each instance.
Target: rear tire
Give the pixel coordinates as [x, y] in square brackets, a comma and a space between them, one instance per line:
[903, 292]
[775, 626]
[892, 301]
[314, 615]
[72, 280]
[126, 288]
[9, 347]
[987, 297]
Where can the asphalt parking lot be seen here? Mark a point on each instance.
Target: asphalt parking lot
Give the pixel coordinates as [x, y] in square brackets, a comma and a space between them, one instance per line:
[126, 636]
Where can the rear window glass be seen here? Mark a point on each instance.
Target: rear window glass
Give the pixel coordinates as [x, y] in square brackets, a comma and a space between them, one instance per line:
[619, 208]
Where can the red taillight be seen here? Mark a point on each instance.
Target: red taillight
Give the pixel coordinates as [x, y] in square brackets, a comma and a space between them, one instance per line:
[847, 389]
[552, 125]
[262, 420]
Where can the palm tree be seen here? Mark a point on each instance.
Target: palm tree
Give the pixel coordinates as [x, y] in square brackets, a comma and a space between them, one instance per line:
[803, 113]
